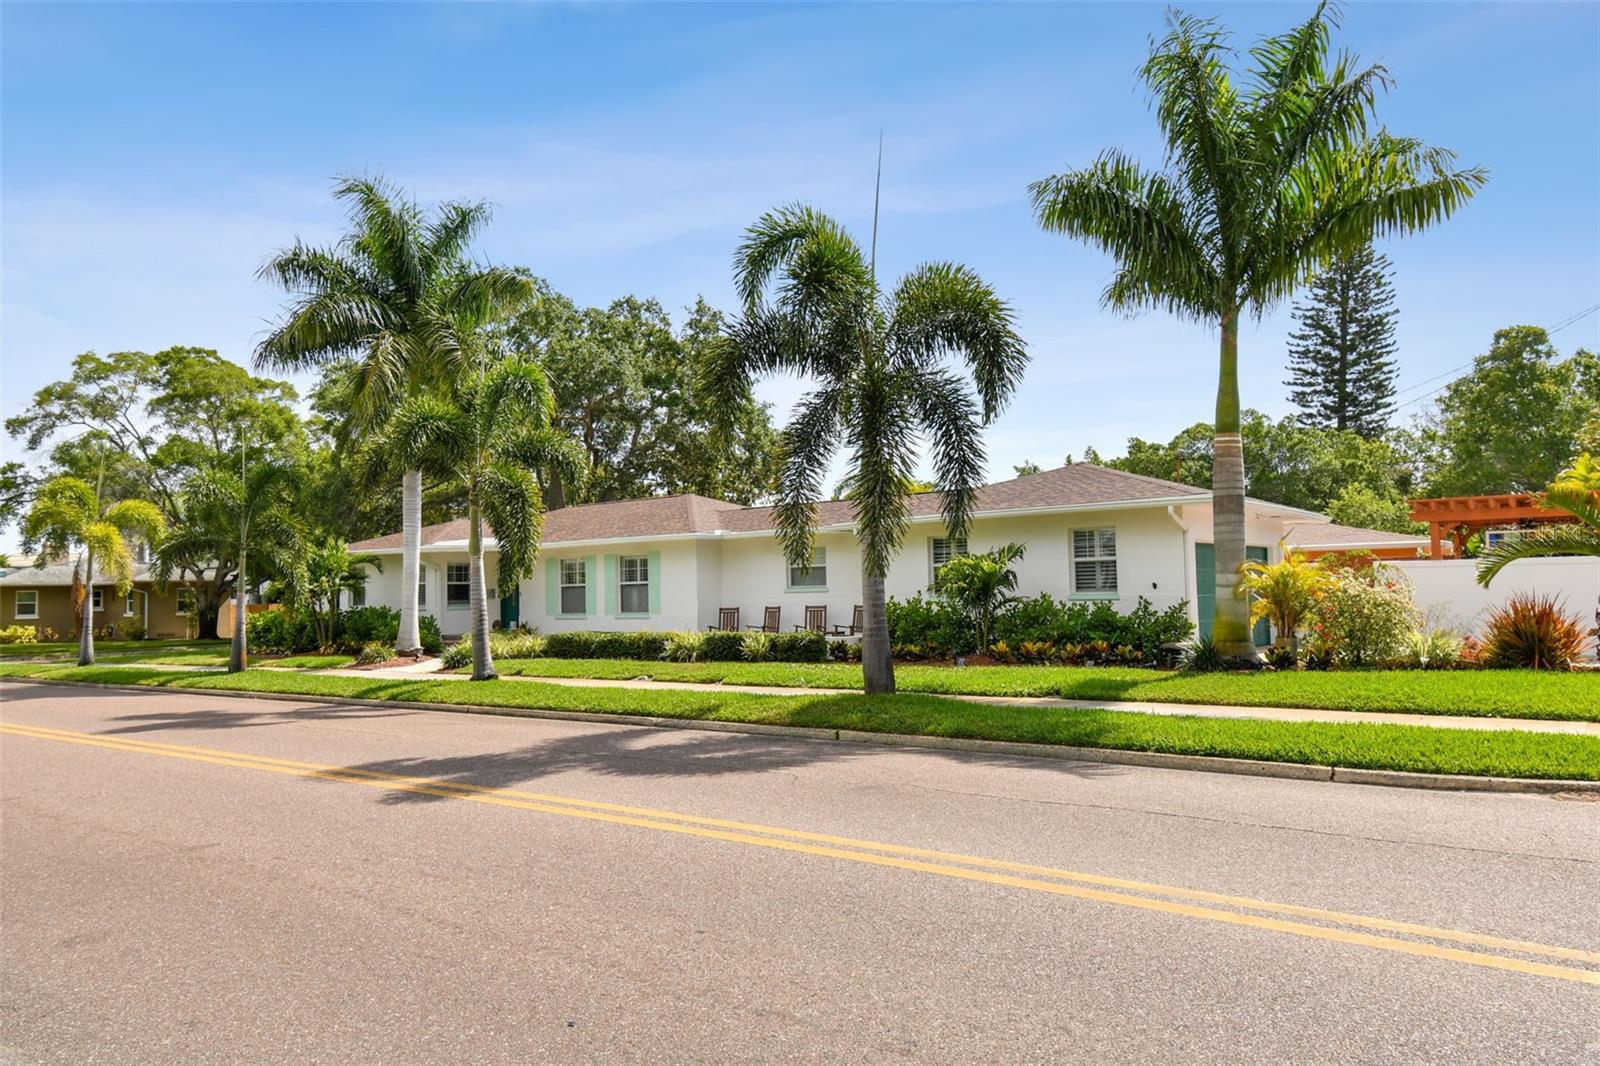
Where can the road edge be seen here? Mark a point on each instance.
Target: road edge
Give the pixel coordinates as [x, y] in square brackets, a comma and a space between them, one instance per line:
[1061, 752]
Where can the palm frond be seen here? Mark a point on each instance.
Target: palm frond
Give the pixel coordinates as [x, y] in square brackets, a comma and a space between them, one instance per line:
[387, 230]
[952, 426]
[832, 261]
[446, 238]
[805, 447]
[428, 433]
[1541, 543]
[514, 507]
[324, 327]
[882, 435]
[943, 309]
[138, 516]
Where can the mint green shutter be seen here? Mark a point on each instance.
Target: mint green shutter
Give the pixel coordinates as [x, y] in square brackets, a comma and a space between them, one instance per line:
[655, 582]
[552, 587]
[591, 574]
[611, 586]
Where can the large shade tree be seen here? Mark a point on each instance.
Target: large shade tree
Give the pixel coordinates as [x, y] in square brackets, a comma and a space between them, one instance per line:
[1268, 178]
[69, 514]
[488, 430]
[885, 388]
[399, 295]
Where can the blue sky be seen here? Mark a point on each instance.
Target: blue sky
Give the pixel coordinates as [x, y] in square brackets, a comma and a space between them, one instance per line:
[153, 155]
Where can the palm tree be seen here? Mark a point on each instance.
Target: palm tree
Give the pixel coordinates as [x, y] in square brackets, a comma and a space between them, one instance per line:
[332, 569]
[884, 389]
[1576, 490]
[399, 295]
[1266, 182]
[1283, 593]
[983, 585]
[68, 512]
[229, 511]
[490, 428]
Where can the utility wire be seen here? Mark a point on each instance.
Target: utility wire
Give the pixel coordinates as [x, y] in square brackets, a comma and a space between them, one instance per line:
[1558, 327]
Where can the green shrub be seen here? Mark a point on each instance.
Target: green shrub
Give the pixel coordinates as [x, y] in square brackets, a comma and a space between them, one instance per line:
[805, 647]
[428, 633]
[849, 651]
[284, 631]
[722, 647]
[516, 644]
[591, 645]
[457, 655]
[758, 647]
[19, 634]
[1432, 649]
[930, 622]
[374, 652]
[1362, 618]
[684, 647]
[135, 630]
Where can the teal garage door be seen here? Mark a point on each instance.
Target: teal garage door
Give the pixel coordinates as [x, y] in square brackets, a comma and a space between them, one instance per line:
[1205, 591]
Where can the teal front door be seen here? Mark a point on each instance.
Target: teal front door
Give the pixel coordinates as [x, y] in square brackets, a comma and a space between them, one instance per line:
[511, 609]
[1205, 590]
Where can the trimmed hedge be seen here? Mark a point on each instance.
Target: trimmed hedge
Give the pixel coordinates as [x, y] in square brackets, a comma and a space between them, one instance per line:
[719, 647]
[289, 631]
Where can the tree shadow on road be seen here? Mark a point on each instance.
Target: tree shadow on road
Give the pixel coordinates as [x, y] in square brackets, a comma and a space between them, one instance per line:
[221, 719]
[646, 753]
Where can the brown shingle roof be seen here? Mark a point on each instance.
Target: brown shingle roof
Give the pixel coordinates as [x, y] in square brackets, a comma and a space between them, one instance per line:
[1332, 535]
[1078, 485]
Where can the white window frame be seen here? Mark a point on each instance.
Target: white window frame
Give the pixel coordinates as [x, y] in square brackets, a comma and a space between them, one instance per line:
[358, 596]
[422, 586]
[127, 604]
[99, 597]
[818, 565]
[452, 582]
[957, 546]
[16, 609]
[1098, 557]
[177, 601]
[567, 569]
[639, 579]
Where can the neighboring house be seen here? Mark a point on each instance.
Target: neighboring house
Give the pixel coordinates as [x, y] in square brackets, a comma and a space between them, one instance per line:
[1092, 533]
[41, 596]
[1316, 539]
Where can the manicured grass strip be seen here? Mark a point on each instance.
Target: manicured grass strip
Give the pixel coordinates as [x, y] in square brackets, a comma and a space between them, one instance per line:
[1380, 747]
[1477, 693]
[304, 662]
[62, 648]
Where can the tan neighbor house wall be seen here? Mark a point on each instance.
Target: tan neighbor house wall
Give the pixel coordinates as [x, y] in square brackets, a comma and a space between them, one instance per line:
[55, 610]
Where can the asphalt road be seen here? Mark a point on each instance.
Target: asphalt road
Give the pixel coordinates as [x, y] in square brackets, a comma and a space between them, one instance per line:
[200, 879]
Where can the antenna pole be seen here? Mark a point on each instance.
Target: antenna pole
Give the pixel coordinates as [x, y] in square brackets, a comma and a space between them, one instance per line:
[877, 192]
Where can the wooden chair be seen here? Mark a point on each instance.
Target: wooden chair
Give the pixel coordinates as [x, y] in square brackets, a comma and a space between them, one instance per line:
[727, 620]
[816, 620]
[857, 624]
[769, 620]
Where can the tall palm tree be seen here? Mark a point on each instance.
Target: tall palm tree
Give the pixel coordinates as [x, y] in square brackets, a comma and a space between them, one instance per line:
[68, 512]
[1266, 181]
[884, 388]
[488, 430]
[399, 294]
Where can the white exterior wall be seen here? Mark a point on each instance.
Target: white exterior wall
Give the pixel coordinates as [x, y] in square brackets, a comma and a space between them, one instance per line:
[1448, 594]
[697, 576]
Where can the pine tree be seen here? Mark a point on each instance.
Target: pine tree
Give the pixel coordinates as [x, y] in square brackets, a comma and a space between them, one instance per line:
[1341, 365]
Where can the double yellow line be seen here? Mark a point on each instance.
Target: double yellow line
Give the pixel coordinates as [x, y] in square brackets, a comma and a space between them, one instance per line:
[1407, 938]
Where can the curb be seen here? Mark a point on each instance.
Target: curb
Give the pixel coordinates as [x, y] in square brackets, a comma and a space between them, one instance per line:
[1151, 759]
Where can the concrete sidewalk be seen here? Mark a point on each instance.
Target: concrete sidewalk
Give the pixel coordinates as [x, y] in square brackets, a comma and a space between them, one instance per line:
[428, 669]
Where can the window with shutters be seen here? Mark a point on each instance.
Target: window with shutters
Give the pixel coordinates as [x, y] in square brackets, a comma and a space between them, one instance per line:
[457, 585]
[574, 587]
[1094, 561]
[634, 581]
[941, 551]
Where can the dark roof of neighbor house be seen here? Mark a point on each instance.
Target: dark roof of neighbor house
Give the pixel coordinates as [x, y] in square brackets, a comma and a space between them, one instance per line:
[61, 574]
[1077, 485]
[1332, 535]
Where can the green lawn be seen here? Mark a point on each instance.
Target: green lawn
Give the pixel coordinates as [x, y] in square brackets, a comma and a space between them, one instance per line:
[304, 662]
[138, 650]
[1417, 748]
[1479, 693]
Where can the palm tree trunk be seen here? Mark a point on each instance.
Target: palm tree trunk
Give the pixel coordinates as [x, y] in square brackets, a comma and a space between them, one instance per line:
[876, 667]
[1230, 621]
[409, 639]
[86, 622]
[238, 658]
[482, 658]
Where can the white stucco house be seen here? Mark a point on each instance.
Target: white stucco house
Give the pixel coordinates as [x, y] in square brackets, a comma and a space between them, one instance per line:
[672, 562]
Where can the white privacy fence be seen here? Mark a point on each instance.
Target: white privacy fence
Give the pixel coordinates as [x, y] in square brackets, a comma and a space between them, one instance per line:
[1448, 593]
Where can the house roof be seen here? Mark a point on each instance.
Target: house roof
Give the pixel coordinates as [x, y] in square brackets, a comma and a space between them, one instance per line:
[1078, 486]
[61, 574]
[1332, 535]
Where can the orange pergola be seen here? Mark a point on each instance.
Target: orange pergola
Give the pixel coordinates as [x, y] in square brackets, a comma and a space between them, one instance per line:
[1455, 518]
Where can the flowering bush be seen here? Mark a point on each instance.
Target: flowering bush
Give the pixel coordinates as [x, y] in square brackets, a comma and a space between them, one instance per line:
[1361, 618]
[19, 635]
